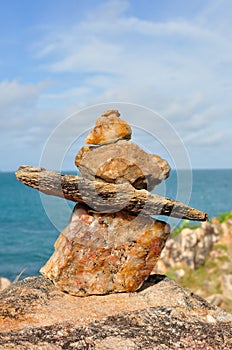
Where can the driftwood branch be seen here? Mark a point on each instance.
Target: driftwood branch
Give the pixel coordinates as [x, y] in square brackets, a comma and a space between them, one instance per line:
[105, 197]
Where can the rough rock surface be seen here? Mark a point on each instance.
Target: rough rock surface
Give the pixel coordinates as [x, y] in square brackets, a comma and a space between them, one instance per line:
[34, 314]
[191, 247]
[201, 259]
[227, 286]
[109, 128]
[105, 253]
[4, 283]
[120, 162]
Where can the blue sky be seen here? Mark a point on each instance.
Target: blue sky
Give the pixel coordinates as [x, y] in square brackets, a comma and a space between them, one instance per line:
[171, 56]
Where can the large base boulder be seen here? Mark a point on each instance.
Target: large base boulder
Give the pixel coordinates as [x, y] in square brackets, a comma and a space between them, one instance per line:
[105, 253]
[35, 314]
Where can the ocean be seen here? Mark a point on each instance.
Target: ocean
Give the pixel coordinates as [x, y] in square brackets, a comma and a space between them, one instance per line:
[30, 224]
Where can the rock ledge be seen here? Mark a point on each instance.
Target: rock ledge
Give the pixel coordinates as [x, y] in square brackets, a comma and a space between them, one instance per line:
[34, 314]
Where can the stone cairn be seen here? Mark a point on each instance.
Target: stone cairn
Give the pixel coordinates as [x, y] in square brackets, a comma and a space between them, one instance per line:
[111, 243]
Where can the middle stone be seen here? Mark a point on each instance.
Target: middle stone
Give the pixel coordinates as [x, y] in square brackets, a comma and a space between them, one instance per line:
[104, 253]
[122, 161]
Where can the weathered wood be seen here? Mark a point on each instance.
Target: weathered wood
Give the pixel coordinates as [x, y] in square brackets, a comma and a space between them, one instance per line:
[105, 197]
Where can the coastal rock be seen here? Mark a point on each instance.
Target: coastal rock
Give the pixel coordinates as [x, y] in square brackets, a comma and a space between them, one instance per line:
[227, 286]
[109, 128]
[35, 314]
[215, 299]
[209, 255]
[120, 162]
[4, 283]
[205, 241]
[191, 247]
[105, 253]
[188, 244]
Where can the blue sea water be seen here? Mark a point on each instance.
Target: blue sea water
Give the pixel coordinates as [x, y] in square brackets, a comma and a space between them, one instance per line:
[27, 235]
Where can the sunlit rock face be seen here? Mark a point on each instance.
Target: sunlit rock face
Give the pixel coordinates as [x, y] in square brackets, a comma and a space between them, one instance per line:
[122, 161]
[109, 128]
[101, 254]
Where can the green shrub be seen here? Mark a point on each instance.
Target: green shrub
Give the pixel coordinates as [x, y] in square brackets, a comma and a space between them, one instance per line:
[184, 224]
[224, 216]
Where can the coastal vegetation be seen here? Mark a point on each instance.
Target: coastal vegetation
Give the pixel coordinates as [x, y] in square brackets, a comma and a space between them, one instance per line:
[206, 268]
[187, 224]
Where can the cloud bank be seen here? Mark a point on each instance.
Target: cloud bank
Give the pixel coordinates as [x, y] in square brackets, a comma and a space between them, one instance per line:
[179, 66]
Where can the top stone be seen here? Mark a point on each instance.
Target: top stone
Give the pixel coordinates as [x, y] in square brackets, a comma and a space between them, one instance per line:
[109, 128]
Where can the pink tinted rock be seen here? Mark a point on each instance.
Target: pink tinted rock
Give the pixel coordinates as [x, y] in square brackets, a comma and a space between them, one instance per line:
[105, 253]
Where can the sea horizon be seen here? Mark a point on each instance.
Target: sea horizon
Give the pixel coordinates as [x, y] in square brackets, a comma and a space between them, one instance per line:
[73, 170]
[31, 222]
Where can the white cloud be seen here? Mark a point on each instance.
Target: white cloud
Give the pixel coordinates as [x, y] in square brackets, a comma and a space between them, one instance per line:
[14, 93]
[109, 36]
[94, 55]
[21, 119]
[204, 137]
[170, 66]
[178, 67]
[173, 58]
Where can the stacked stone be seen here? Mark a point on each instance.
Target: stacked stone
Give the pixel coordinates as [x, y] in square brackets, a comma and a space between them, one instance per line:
[105, 252]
